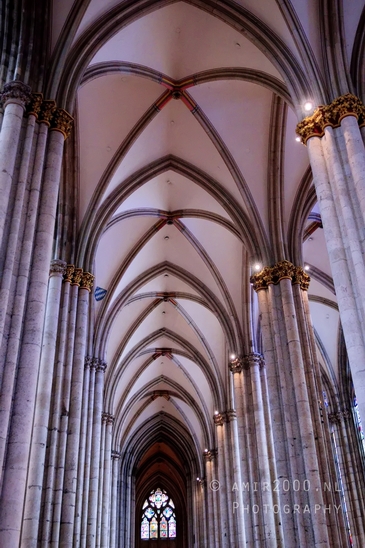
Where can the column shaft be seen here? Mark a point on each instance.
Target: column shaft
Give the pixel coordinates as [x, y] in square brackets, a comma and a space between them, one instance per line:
[74, 422]
[27, 375]
[42, 409]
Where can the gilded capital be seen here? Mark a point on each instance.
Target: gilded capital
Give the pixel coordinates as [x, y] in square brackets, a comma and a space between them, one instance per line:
[76, 276]
[35, 104]
[219, 419]
[301, 277]
[282, 270]
[331, 115]
[17, 92]
[46, 111]
[209, 454]
[70, 268]
[87, 281]
[262, 279]
[62, 121]
[236, 366]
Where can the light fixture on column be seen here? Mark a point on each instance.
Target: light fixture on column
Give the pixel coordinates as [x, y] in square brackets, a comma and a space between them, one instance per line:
[298, 139]
[205, 450]
[308, 106]
[197, 479]
[216, 413]
[232, 357]
[307, 267]
[257, 267]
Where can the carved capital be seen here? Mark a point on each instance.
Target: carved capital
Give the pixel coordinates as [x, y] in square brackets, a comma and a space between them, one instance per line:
[219, 419]
[262, 279]
[236, 366]
[35, 104]
[46, 111]
[87, 281]
[94, 364]
[280, 271]
[209, 454]
[301, 277]
[115, 455]
[331, 115]
[16, 92]
[76, 276]
[231, 415]
[70, 268]
[62, 121]
[57, 267]
[253, 359]
[101, 366]
[88, 362]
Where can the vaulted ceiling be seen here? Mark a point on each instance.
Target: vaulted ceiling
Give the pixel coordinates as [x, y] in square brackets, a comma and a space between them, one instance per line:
[188, 176]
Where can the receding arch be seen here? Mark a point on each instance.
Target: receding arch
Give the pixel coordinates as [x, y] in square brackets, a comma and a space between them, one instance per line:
[67, 72]
[94, 225]
[106, 319]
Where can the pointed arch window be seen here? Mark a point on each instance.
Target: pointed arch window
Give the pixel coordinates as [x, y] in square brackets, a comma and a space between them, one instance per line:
[158, 516]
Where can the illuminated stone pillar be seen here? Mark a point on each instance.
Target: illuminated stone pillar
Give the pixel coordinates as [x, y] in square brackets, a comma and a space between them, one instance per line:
[337, 156]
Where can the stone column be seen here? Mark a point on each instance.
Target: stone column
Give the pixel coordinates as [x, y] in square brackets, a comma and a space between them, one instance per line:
[90, 411]
[95, 456]
[279, 323]
[104, 420]
[254, 361]
[17, 307]
[50, 470]
[74, 419]
[236, 369]
[330, 165]
[15, 235]
[235, 485]
[221, 465]
[114, 497]
[82, 452]
[61, 409]
[42, 409]
[28, 368]
[107, 483]
[212, 524]
[15, 96]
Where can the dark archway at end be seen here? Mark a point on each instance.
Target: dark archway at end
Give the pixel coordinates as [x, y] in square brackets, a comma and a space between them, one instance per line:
[161, 467]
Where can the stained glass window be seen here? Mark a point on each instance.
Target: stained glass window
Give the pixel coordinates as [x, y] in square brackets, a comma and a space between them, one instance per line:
[158, 516]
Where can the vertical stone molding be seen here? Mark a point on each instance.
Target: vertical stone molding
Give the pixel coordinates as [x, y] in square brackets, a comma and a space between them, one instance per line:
[219, 421]
[114, 496]
[95, 454]
[29, 360]
[212, 484]
[42, 409]
[106, 496]
[74, 422]
[14, 97]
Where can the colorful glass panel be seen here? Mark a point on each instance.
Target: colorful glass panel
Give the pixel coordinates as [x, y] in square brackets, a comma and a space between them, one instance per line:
[163, 528]
[172, 528]
[145, 529]
[153, 528]
[158, 516]
[168, 512]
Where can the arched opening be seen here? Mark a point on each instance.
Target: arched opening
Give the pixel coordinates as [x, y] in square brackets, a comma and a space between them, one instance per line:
[162, 507]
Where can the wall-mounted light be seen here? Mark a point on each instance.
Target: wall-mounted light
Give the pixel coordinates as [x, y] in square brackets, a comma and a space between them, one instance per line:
[308, 106]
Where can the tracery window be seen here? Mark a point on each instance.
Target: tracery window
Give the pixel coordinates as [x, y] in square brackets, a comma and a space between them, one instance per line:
[158, 516]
